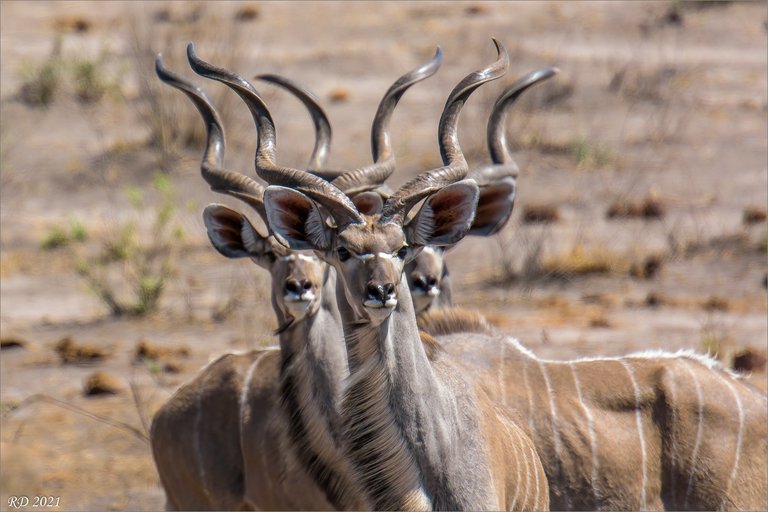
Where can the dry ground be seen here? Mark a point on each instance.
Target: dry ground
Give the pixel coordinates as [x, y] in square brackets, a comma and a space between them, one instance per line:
[663, 103]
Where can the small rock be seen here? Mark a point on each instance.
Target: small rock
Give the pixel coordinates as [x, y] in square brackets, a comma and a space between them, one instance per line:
[71, 352]
[540, 214]
[100, 383]
[749, 360]
[7, 343]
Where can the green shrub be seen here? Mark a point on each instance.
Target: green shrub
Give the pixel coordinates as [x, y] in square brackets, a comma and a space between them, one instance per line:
[143, 255]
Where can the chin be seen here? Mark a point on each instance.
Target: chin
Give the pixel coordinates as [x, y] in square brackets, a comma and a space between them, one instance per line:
[298, 308]
[379, 314]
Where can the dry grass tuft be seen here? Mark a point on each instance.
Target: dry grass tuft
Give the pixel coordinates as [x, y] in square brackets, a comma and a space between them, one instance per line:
[146, 350]
[101, 383]
[648, 268]
[247, 13]
[600, 299]
[173, 367]
[160, 359]
[716, 303]
[580, 261]
[655, 300]
[750, 360]
[648, 208]
[74, 24]
[540, 214]
[339, 95]
[754, 215]
[71, 352]
[599, 321]
[649, 84]
[171, 122]
[7, 343]
[476, 9]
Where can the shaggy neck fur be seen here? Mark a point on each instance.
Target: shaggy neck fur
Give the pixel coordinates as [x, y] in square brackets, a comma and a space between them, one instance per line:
[312, 370]
[405, 436]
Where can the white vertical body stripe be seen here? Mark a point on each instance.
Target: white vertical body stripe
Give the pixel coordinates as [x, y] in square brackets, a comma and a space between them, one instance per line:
[517, 459]
[699, 428]
[739, 440]
[639, 420]
[502, 373]
[555, 426]
[673, 425]
[536, 474]
[247, 385]
[531, 420]
[592, 433]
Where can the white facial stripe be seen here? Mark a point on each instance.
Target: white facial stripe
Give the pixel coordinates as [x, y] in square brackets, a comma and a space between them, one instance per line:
[294, 257]
[366, 257]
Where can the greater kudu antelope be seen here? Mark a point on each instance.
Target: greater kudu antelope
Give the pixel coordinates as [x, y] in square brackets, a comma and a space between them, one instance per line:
[203, 460]
[647, 431]
[276, 425]
[418, 432]
[427, 274]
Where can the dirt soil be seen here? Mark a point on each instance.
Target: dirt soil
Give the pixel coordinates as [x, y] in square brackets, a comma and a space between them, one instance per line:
[659, 111]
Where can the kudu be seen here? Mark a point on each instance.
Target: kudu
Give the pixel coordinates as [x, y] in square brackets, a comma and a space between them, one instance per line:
[647, 431]
[203, 460]
[427, 274]
[276, 451]
[418, 433]
[638, 432]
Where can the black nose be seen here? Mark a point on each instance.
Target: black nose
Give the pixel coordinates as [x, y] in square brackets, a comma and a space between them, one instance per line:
[425, 282]
[297, 286]
[381, 292]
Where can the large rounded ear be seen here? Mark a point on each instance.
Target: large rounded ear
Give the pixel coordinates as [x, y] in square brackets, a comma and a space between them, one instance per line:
[445, 217]
[368, 203]
[232, 234]
[295, 220]
[494, 207]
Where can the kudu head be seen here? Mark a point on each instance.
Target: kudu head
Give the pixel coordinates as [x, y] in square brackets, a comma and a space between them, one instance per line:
[297, 276]
[369, 252]
[300, 272]
[497, 181]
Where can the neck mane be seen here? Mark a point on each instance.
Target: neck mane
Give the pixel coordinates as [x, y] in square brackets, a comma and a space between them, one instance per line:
[312, 369]
[399, 417]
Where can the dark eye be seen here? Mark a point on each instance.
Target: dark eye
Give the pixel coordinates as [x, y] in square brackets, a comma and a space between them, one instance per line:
[343, 253]
[403, 252]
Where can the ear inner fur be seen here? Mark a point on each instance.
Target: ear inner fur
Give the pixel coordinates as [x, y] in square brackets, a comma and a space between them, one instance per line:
[294, 219]
[224, 230]
[446, 216]
[494, 208]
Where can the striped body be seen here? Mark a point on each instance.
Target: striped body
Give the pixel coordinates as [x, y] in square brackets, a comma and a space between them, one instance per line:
[647, 431]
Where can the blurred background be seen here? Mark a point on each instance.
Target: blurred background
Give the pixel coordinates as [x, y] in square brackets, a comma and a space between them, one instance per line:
[640, 220]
